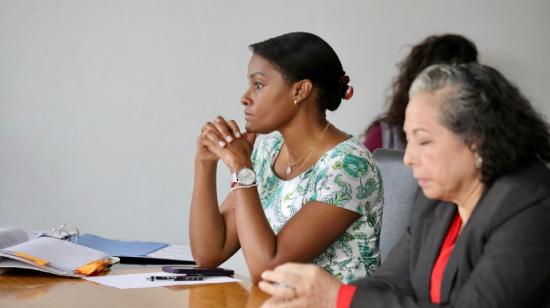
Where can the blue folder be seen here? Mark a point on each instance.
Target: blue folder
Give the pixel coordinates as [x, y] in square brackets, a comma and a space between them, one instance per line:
[119, 248]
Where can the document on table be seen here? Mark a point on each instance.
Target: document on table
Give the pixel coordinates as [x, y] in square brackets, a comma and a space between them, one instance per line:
[134, 281]
[173, 252]
[139, 252]
[119, 248]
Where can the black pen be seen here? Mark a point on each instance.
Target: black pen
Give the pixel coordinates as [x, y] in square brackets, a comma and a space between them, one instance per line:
[190, 277]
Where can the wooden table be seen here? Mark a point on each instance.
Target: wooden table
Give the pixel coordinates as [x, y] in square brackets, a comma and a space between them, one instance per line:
[20, 288]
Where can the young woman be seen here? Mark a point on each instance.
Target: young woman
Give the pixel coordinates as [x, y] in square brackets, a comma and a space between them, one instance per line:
[308, 192]
[387, 130]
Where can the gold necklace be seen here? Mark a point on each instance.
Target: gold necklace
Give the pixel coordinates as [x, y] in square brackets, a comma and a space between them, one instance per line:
[309, 151]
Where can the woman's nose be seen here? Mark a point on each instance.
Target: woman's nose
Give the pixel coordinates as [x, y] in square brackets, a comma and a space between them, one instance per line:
[407, 159]
[245, 99]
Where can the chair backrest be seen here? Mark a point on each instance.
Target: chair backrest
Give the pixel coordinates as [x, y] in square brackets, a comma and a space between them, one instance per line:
[400, 190]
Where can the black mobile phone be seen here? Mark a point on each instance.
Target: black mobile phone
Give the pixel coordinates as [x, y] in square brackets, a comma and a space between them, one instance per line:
[190, 269]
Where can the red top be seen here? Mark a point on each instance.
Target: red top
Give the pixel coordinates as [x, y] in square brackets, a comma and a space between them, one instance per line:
[345, 295]
[373, 139]
[346, 292]
[441, 262]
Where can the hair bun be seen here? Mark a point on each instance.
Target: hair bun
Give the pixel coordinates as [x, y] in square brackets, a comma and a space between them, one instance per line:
[344, 80]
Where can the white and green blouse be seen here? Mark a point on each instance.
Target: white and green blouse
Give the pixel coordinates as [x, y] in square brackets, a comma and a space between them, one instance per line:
[345, 176]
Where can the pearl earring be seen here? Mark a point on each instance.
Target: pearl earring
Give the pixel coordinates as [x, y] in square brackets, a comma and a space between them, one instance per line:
[296, 103]
[479, 161]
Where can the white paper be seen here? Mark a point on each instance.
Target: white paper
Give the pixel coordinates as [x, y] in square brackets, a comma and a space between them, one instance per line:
[173, 252]
[134, 281]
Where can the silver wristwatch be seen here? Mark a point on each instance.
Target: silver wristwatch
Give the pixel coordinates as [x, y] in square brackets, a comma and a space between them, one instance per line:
[243, 177]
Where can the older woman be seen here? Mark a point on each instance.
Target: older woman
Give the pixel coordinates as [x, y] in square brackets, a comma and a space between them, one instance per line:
[480, 234]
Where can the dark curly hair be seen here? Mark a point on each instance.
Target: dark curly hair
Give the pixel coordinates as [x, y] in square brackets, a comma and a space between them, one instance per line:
[487, 111]
[436, 49]
[301, 55]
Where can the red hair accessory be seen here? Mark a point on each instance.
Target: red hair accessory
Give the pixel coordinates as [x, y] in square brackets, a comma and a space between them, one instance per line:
[344, 80]
[349, 93]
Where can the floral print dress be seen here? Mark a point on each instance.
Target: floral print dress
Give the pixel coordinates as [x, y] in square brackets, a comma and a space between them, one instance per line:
[345, 176]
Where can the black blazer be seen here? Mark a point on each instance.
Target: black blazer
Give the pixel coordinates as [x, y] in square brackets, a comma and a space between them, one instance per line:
[500, 259]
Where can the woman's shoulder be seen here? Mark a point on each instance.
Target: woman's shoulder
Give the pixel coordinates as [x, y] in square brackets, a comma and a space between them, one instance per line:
[349, 147]
[266, 147]
[348, 177]
[350, 156]
[526, 185]
[533, 175]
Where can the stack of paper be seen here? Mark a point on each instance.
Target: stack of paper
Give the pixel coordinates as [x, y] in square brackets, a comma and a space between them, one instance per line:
[51, 255]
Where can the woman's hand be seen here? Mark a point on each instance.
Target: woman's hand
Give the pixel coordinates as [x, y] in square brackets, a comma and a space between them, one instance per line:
[204, 155]
[299, 285]
[221, 139]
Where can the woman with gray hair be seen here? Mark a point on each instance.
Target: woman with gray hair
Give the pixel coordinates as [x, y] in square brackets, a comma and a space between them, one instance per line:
[480, 234]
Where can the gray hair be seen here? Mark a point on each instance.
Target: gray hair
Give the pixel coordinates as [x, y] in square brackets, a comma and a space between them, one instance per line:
[461, 101]
[436, 77]
[484, 109]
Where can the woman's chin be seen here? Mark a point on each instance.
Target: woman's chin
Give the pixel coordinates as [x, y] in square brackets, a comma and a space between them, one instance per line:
[251, 128]
[430, 193]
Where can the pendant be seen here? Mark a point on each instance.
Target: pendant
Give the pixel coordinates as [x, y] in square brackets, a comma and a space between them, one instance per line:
[288, 170]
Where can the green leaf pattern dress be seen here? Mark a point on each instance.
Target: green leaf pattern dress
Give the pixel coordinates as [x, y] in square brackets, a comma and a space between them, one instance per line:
[345, 176]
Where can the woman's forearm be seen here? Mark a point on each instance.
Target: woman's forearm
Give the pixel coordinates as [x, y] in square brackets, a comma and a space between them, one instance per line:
[258, 242]
[206, 224]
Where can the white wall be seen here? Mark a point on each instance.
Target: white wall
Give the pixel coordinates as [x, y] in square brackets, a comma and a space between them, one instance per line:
[101, 101]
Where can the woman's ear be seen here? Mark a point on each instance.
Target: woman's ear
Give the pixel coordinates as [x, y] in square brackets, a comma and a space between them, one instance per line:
[302, 89]
[475, 145]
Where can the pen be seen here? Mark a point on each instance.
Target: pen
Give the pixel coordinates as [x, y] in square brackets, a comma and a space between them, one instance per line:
[190, 277]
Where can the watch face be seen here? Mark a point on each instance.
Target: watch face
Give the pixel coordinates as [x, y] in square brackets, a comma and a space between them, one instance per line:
[246, 176]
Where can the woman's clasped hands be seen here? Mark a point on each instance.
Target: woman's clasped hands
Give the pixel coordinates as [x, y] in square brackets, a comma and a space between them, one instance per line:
[223, 140]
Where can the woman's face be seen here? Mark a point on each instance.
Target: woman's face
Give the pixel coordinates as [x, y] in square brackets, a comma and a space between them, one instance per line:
[442, 164]
[268, 99]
